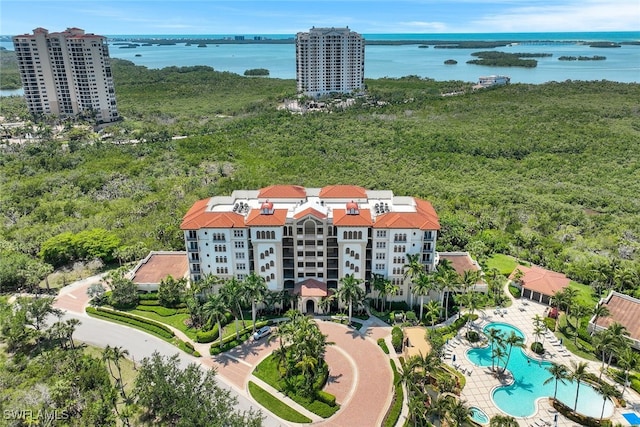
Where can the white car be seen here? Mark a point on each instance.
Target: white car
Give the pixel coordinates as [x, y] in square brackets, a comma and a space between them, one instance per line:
[262, 332]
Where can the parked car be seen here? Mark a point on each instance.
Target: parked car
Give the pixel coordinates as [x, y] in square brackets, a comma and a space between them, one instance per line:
[262, 332]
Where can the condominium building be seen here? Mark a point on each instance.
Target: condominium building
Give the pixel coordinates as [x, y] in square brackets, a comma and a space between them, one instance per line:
[329, 60]
[66, 74]
[305, 240]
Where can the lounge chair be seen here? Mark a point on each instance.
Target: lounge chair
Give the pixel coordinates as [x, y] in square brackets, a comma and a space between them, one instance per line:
[469, 371]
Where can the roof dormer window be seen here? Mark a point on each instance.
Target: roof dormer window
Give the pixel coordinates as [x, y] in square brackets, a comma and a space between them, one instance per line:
[267, 208]
[352, 208]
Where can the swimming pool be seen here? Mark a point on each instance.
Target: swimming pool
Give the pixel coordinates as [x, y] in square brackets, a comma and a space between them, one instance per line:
[518, 399]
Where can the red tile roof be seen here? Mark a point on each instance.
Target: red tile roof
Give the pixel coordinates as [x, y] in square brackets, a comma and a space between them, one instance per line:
[343, 192]
[309, 211]
[342, 219]
[256, 218]
[283, 192]
[624, 310]
[538, 279]
[197, 217]
[159, 266]
[425, 218]
[460, 262]
[310, 288]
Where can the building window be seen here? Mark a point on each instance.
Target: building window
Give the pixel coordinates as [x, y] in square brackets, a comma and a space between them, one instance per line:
[270, 250]
[381, 233]
[238, 233]
[241, 266]
[239, 245]
[239, 255]
[192, 234]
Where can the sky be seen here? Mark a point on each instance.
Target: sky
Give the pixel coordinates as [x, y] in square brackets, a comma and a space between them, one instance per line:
[115, 17]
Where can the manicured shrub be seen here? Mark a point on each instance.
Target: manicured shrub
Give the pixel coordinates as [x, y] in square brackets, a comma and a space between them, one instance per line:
[391, 418]
[148, 296]
[473, 336]
[515, 292]
[189, 345]
[411, 316]
[196, 354]
[208, 336]
[325, 397]
[148, 325]
[396, 339]
[383, 345]
[148, 302]
[550, 323]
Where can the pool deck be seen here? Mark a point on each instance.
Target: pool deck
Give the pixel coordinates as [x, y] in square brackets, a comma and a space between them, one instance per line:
[481, 382]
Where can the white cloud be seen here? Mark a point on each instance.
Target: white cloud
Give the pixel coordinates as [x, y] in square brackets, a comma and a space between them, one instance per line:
[597, 15]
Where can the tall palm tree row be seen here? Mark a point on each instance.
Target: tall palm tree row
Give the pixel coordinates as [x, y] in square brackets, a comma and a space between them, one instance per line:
[255, 291]
[578, 374]
[423, 283]
[559, 373]
[413, 269]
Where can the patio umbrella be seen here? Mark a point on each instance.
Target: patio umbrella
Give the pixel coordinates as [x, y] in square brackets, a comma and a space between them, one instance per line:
[453, 358]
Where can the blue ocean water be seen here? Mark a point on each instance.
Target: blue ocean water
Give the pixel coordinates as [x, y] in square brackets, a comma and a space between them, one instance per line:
[622, 64]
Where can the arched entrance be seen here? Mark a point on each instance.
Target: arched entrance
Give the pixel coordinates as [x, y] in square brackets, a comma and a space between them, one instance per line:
[310, 307]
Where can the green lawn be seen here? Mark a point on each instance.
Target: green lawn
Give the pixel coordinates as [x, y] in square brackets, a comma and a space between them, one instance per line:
[275, 405]
[505, 264]
[585, 296]
[127, 366]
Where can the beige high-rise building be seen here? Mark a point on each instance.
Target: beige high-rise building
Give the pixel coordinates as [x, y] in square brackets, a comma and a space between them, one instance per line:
[329, 60]
[66, 74]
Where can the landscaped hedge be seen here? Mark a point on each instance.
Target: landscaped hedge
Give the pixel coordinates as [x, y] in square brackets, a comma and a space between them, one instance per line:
[160, 310]
[396, 339]
[149, 325]
[325, 397]
[391, 419]
[276, 406]
[148, 302]
[212, 335]
[515, 292]
[383, 345]
[148, 296]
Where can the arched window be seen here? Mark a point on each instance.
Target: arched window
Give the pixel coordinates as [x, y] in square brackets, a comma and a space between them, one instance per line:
[351, 235]
[344, 235]
[261, 256]
[357, 269]
[360, 235]
[267, 279]
[273, 235]
[346, 264]
[262, 269]
[270, 250]
[271, 263]
[266, 266]
[357, 256]
[352, 266]
[346, 251]
[309, 227]
[352, 253]
[266, 253]
[273, 276]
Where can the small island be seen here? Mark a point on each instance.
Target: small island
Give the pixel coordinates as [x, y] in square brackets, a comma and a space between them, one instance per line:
[450, 62]
[582, 58]
[503, 59]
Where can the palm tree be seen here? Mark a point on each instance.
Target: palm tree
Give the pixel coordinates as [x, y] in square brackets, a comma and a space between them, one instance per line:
[233, 296]
[412, 270]
[214, 310]
[469, 280]
[114, 355]
[498, 353]
[558, 373]
[350, 292]
[433, 311]
[503, 421]
[460, 413]
[423, 283]
[495, 336]
[307, 365]
[600, 310]
[378, 285]
[391, 289]
[627, 360]
[448, 281]
[570, 294]
[256, 289]
[603, 342]
[325, 303]
[619, 334]
[606, 390]
[512, 340]
[578, 374]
